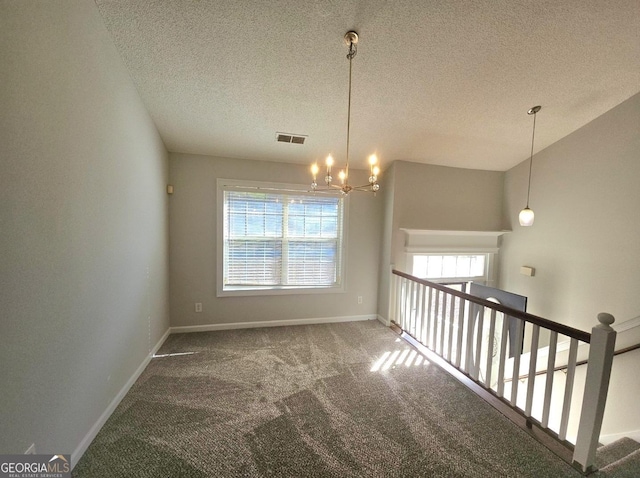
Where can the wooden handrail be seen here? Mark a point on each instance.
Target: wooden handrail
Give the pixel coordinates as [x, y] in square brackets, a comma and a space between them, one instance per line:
[630, 348]
[518, 314]
[559, 368]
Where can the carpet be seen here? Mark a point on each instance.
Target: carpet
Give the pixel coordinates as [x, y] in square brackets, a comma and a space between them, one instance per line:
[334, 400]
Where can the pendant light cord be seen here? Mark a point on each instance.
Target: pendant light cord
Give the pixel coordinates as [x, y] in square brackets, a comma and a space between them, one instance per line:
[531, 157]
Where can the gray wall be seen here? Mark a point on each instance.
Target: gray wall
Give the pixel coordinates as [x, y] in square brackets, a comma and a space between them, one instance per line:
[585, 242]
[450, 199]
[192, 213]
[83, 225]
[432, 197]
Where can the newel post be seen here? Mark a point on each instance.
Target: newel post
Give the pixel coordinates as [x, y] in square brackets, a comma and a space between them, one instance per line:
[603, 340]
[393, 297]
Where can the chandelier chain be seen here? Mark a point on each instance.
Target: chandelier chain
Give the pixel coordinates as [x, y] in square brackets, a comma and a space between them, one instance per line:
[346, 169]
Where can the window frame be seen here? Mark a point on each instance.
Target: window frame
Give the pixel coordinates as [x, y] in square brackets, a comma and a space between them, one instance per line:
[455, 242]
[490, 263]
[223, 185]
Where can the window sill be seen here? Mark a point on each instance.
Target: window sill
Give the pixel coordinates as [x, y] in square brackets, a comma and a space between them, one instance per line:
[267, 291]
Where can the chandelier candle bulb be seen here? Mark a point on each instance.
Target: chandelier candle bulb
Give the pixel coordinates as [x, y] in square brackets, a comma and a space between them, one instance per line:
[314, 172]
[372, 161]
[328, 178]
[329, 163]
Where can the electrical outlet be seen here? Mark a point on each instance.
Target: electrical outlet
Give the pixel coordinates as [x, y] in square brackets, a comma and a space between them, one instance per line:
[198, 306]
[31, 450]
[359, 299]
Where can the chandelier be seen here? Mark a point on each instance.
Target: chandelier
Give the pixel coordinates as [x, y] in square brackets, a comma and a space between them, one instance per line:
[351, 39]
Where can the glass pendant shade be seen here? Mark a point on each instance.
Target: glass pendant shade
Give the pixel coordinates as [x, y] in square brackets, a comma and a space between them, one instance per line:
[526, 217]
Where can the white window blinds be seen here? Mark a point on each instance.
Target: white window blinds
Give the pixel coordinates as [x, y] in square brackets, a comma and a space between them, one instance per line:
[281, 240]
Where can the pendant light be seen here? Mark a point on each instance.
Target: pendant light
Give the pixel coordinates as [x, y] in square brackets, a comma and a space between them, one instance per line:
[526, 216]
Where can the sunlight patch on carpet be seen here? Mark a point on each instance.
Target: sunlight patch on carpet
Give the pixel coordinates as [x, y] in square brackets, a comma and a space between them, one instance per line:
[173, 355]
[389, 360]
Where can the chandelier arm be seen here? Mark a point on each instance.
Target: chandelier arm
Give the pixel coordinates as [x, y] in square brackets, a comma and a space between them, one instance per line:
[331, 187]
[364, 187]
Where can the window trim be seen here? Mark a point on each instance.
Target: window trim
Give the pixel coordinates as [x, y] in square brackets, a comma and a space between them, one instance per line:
[438, 242]
[240, 291]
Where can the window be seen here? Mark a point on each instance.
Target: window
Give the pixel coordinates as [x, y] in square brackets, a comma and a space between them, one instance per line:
[450, 267]
[452, 256]
[276, 239]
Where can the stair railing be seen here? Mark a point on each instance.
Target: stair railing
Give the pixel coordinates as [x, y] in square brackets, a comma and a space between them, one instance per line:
[451, 324]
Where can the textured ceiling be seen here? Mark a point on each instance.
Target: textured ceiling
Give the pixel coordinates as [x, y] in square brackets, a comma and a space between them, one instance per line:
[443, 82]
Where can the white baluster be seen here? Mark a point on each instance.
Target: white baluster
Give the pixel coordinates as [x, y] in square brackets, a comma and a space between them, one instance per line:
[503, 354]
[568, 389]
[443, 323]
[403, 303]
[469, 347]
[425, 314]
[517, 353]
[436, 321]
[427, 339]
[492, 333]
[461, 309]
[397, 300]
[551, 362]
[480, 325]
[450, 315]
[533, 358]
[411, 296]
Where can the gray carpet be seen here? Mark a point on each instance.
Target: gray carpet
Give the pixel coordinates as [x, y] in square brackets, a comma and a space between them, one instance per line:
[620, 459]
[303, 401]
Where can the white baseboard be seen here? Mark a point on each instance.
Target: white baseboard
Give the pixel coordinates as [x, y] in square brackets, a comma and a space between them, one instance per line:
[269, 323]
[606, 439]
[385, 322]
[89, 437]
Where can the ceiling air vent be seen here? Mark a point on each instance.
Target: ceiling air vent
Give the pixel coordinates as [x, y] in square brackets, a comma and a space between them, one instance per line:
[290, 138]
